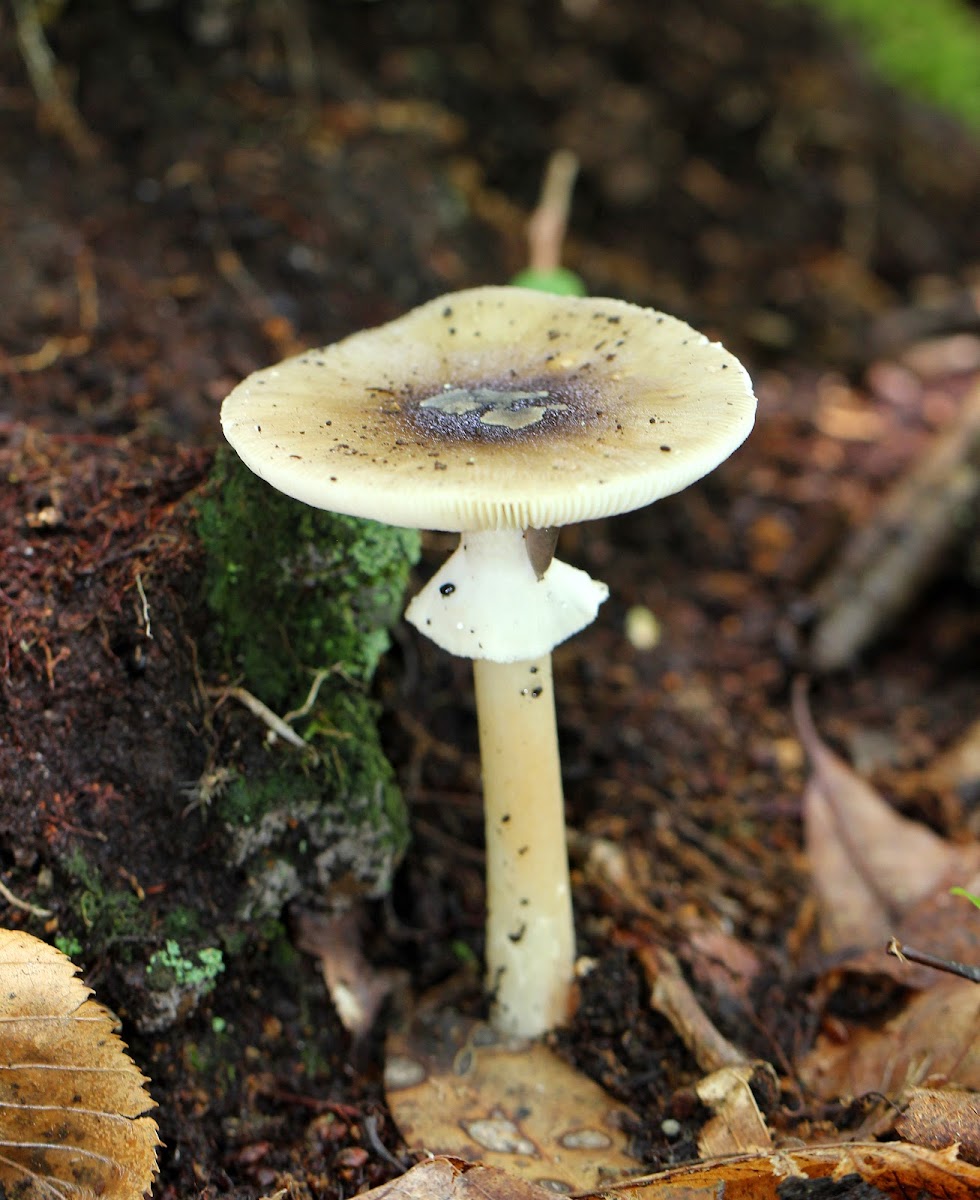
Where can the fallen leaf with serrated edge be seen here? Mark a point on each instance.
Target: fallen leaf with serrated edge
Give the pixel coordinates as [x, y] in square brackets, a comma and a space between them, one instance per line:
[72, 1102]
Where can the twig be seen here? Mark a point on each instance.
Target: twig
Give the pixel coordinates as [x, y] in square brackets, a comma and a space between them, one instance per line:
[46, 355]
[265, 714]
[549, 221]
[146, 606]
[370, 1126]
[61, 346]
[310, 700]
[672, 997]
[88, 291]
[16, 902]
[925, 959]
[41, 66]
[885, 564]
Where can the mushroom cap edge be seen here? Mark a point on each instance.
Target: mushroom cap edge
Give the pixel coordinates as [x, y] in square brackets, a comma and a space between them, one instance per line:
[623, 405]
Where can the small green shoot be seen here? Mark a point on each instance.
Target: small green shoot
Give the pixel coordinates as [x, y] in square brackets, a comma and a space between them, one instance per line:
[560, 281]
[546, 232]
[69, 945]
[170, 966]
[958, 891]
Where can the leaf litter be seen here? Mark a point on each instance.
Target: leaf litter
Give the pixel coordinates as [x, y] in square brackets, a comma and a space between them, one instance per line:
[874, 874]
[878, 875]
[897, 1170]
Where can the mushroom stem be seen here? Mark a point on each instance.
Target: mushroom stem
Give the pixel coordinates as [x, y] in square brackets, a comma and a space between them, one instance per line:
[530, 936]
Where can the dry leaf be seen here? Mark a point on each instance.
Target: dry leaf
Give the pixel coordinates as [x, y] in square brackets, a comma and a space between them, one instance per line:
[937, 1035]
[721, 962]
[959, 767]
[72, 1102]
[870, 866]
[455, 1087]
[899, 1170]
[447, 1178]
[356, 988]
[943, 1117]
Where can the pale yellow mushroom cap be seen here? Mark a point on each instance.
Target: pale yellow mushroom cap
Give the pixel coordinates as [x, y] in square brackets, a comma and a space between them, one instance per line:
[495, 408]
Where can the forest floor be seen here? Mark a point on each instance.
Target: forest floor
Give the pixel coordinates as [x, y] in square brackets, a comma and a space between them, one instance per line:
[290, 183]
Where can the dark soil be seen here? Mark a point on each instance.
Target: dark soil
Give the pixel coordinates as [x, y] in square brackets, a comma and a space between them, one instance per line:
[740, 169]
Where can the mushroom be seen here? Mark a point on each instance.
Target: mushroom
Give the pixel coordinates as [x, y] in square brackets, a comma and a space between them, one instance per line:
[503, 414]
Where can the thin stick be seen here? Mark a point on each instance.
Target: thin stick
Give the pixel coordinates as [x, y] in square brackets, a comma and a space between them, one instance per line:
[145, 606]
[311, 696]
[42, 69]
[16, 902]
[273, 721]
[925, 959]
[549, 221]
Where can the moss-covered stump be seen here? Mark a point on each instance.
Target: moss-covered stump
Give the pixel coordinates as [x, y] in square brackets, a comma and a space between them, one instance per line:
[302, 602]
[147, 820]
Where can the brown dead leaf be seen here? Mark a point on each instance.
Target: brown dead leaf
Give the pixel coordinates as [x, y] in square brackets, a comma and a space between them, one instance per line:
[943, 1117]
[876, 873]
[356, 988]
[447, 1178]
[72, 1102]
[959, 767]
[870, 866]
[722, 962]
[455, 1087]
[899, 1170]
[936, 1036]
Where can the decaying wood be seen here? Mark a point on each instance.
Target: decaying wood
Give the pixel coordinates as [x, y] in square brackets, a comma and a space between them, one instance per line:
[886, 563]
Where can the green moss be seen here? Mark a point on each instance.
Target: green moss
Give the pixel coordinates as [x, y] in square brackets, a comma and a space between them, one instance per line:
[298, 596]
[334, 825]
[247, 801]
[294, 589]
[107, 915]
[929, 48]
[183, 924]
